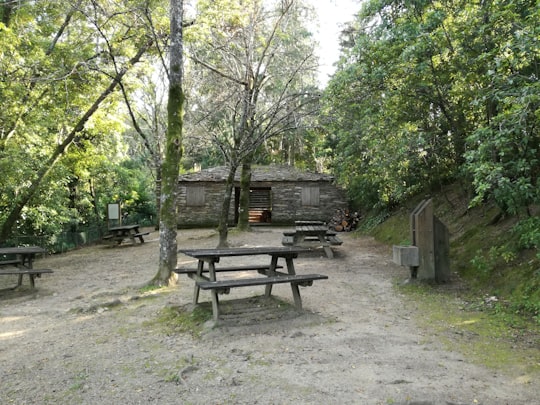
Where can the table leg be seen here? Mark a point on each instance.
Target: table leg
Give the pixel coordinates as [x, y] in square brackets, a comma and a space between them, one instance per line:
[214, 293]
[294, 286]
[196, 289]
[26, 259]
[327, 249]
[271, 273]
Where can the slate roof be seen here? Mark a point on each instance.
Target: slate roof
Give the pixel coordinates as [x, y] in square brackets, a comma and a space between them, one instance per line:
[259, 174]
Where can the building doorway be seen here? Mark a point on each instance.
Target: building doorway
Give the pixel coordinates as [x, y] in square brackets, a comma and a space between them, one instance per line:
[260, 205]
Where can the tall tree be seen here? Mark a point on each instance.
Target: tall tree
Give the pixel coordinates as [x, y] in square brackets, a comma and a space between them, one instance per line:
[168, 219]
[61, 62]
[255, 81]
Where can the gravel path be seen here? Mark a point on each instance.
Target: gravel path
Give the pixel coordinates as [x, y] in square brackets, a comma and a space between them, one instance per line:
[86, 336]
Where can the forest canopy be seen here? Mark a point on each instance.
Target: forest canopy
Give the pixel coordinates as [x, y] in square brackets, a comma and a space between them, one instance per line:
[425, 93]
[430, 92]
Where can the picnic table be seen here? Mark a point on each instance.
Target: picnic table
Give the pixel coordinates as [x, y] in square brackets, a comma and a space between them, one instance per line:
[20, 262]
[205, 275]
[119, 233]
[312, 234]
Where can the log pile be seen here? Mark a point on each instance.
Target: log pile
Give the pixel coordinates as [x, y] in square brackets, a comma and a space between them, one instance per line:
[344, 221]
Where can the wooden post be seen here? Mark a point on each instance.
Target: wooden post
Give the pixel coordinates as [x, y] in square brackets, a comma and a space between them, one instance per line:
[431, 237]
[422, 236]
[442, 251]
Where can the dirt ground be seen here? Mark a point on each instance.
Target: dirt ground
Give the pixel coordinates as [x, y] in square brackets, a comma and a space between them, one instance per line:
[84, 336]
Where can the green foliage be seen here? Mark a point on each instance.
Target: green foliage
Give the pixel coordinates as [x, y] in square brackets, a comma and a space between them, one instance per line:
[55, 62]
[429, 91]
[527, 232]
[498, 260]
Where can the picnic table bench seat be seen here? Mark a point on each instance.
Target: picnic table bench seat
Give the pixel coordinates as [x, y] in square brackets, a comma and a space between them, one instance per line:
[120, 238]
[13, 262]
[20, 271]
[122, 232]
[222, 269]
[334, 240]
[223, 286]
[287, 240]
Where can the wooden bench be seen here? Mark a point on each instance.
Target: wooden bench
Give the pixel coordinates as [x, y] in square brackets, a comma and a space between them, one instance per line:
[119, 238]
[111, 239]
[140, 235]
[222, 269]
[287, 240]
[32, 274]
[14, 262]
[224, 286]
[334, 240]
[290, 238]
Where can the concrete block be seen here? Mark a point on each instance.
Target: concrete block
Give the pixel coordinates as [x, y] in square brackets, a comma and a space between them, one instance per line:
[406, 256]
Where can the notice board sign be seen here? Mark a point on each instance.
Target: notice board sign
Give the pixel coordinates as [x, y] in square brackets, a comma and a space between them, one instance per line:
[113, 212]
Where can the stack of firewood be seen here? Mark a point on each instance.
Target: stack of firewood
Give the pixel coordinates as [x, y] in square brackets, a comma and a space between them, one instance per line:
[344, 221]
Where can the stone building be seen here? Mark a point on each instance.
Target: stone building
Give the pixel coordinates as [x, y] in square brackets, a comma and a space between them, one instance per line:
[279, 195]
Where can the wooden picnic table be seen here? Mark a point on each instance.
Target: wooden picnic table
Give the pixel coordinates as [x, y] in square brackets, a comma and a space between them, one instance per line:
[300, 223]
[22, 263]
[119, 233]
[205, 274]
[312, 233]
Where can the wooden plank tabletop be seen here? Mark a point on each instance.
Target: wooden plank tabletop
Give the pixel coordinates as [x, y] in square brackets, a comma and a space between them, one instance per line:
[22, 250]
[124, 227]
[247, 251]
[312, 228]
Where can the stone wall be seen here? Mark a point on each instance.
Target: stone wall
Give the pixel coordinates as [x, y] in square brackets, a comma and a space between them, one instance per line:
[206, 215]
[287, 204]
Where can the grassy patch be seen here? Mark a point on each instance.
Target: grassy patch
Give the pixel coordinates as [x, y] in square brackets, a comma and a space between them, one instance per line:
[149, 288]
[486, 251]
[174, 320]
[476, 329]
[79, 381]
[395, 230]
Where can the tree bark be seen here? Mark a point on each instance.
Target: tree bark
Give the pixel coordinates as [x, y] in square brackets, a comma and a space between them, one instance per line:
[6, 9]
[223, 227]
[168, 218]
[245, 182]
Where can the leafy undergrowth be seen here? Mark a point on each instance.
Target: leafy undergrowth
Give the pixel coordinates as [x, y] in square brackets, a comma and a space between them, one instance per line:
[493, 298]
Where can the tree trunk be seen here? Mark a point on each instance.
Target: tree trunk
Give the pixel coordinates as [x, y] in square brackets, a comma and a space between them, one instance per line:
[168, 216]
[45, 169]
[5, 10]
[245, 182]
[95, 205]
[223, 227]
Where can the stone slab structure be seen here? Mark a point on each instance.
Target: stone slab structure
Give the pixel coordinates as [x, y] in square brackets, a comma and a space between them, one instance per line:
[432, 239]
[279, 195]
